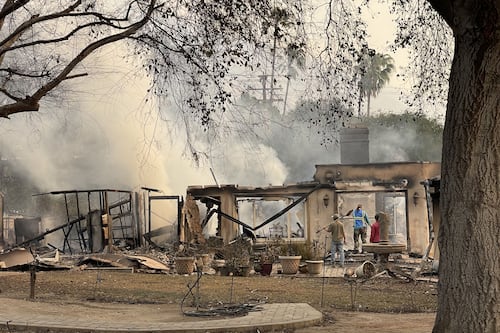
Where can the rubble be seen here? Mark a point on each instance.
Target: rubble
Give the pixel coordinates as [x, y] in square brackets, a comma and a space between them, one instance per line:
[16, 257]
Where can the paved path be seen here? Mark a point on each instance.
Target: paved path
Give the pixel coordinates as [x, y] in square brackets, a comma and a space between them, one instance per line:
[50, 317]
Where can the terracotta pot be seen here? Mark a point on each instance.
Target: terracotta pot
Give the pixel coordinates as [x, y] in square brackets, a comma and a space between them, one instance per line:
[366, 270]
[184, 265]
[290, 264]
[204, 258]
[314, 266]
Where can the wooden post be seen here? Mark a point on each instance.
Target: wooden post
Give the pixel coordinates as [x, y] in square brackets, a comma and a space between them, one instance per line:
[32, 280]
[109, 220]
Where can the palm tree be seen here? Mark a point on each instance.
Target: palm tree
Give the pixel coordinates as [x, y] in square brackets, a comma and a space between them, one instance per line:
[375, 76]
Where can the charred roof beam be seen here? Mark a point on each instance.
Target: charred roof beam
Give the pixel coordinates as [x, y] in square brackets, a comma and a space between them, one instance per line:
[275, 216]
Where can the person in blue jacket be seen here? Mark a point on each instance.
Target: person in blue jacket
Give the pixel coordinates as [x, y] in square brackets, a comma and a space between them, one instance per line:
[360, 222]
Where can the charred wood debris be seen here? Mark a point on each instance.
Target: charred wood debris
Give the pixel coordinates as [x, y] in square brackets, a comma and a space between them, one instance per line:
[147, 259]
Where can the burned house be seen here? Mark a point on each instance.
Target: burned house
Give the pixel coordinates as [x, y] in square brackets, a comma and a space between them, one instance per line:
[92, 221]
[296, 212]
[406, 191]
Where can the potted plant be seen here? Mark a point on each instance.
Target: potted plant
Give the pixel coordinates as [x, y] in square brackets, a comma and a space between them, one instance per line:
[236, 257]
[266, 261]
[268, 256]
[316, 263]
[184, 260]
[239, 266]
[290, 263]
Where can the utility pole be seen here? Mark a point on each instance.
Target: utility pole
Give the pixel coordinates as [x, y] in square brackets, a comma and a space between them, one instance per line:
[273, 61]
[265, 89]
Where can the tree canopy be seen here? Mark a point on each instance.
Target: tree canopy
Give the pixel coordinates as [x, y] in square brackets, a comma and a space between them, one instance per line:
[404, 137]
[44, 44]
[198, 53]
[375, 75]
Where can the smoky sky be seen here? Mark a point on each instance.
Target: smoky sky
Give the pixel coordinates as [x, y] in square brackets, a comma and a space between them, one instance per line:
[103, 133]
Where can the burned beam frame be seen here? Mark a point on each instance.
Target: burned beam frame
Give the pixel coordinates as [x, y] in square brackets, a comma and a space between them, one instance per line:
[209, 195]
[103, 206]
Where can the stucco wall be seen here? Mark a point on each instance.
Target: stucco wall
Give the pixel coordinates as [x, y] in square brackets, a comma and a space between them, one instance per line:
[361, 181]
[403, 177]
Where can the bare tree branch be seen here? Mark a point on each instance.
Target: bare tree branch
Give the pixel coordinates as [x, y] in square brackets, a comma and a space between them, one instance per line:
[9, 7]
[35, 19]
[8, 94]
[11, 71]
[31, 103]
[56, 40]
[68, 12]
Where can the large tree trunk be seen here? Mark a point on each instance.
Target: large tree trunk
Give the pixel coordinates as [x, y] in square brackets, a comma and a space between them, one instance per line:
[469, 235]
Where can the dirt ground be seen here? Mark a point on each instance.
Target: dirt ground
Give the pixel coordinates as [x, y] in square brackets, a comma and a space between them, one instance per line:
[369, 322]
[383, 305]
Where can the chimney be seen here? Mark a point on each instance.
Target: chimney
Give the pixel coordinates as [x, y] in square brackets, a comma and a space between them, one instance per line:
[354, 146]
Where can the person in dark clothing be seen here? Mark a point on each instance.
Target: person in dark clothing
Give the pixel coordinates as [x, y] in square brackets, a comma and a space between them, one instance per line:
[336, 229]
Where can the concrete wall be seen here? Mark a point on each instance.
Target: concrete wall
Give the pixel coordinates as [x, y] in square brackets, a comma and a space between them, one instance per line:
[338, 188]
[229, 230]
[321, 205]
[405, 177]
